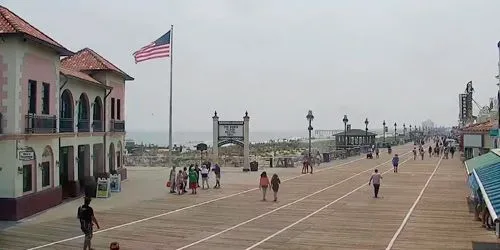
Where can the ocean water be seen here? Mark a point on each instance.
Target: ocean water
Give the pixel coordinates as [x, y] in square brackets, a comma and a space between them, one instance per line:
[192, 138]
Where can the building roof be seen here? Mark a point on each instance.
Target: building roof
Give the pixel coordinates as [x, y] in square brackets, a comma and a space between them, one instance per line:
[488, 179]
[82, 76]
[12, 24]
[355, 132]
[485, 160]
[88, 60]
[481, 127]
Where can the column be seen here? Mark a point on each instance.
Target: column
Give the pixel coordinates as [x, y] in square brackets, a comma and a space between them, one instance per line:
[246, 142]
[215, 144]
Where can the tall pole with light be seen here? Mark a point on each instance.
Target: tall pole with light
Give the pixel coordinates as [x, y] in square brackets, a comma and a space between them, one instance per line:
[345, 120]
[404, 130]
[366, 131]
[384, 129]
[310, 118]
[395, 131]
[410, 131]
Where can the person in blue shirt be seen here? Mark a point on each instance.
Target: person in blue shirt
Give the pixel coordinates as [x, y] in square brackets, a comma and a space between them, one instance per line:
[395, 162]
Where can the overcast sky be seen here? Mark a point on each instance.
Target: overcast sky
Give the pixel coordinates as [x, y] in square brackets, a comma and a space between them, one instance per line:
[402, 61]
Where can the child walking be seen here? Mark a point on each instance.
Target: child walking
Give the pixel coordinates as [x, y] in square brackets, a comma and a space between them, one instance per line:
[395, 162]
[275, 185]
[204, 177]
[264, 184]
[180, 181]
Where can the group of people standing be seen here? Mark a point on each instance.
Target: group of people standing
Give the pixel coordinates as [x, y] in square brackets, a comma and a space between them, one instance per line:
[180, 181]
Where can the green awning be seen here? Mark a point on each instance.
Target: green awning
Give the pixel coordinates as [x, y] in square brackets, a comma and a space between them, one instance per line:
[487, 159]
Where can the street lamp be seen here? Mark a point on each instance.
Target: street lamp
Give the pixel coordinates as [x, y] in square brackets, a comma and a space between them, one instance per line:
[345, 120]
[366, 130]
[384, 130]
[395, 131]
[310, 118]
[410, 131]
[404, 130]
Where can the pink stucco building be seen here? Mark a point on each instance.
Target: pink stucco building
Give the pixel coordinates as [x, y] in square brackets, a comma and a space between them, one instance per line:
[62, 121]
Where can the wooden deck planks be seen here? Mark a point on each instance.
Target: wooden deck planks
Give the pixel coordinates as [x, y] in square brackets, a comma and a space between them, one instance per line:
[356, 221]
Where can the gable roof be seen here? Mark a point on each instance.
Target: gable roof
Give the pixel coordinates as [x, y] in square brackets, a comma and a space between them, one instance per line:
[82, 76]
[12, 24]
[88, 60]
[355, 132]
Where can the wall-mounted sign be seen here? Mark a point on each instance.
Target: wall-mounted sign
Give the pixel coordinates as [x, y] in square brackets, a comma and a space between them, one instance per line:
[463, 106]
[231, 130]
[26, 155]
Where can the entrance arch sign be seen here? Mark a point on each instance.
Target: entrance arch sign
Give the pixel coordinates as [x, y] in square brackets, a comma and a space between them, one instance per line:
[232, 132]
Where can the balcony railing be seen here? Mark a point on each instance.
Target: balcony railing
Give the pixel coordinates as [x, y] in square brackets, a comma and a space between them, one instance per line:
[66, 125]
[97, 126]
[117, 126]
[41, 124]
[83, 125]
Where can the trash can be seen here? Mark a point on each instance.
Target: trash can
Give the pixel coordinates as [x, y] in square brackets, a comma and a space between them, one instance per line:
[326, 157]
[254, 166]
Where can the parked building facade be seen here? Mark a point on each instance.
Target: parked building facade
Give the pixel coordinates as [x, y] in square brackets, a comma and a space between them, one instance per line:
[62, 119]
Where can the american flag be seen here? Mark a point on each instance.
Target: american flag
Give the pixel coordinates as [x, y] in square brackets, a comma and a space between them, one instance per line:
[157, 49]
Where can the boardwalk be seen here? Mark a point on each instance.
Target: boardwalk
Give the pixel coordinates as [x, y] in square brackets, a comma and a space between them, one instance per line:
[422, 207]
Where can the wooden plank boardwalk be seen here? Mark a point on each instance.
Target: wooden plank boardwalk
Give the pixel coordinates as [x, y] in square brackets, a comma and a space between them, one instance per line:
[331, 209]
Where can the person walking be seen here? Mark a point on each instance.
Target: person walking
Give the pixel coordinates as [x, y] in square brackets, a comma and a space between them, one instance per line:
[414, 153]
[377, 152]
[264, 184]
[430, 151]
[452, 151]
[275, 185]
[395, 162]
[216, 170]
[375, 179]
[87, 220]
[172, 180]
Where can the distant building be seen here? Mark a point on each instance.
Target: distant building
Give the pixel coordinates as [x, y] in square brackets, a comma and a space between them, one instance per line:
[61, 121]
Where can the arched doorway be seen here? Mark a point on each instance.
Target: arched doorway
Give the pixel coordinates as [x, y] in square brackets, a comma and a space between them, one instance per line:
[231, 152]
[47, 167]
[119, 154]
[97, 115]
[112, 166]
[83, 113]
[66, 121]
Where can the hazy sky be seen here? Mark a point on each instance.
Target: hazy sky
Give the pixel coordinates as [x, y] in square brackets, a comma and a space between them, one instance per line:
[402, 61]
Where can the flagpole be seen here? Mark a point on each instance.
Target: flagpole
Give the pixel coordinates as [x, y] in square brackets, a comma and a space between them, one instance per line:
[170, 108]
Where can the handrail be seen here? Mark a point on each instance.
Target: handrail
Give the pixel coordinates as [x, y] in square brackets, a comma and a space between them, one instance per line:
[493, 214]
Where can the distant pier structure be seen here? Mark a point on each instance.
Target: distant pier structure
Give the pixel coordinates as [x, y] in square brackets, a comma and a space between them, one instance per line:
[326, 132]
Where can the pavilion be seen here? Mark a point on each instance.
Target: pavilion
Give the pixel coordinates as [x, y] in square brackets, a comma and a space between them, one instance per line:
[355, 138]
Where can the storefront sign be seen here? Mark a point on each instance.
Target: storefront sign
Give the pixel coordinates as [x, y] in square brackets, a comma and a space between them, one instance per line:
[26, 155]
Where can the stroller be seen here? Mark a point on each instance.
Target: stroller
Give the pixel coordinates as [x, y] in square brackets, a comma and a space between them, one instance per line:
[369, 155]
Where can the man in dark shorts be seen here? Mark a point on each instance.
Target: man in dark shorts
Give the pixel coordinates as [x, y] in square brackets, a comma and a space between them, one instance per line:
[87, 219]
